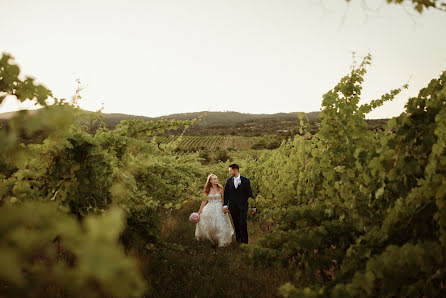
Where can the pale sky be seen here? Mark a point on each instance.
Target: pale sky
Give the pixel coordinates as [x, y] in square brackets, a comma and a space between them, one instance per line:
[161, 57]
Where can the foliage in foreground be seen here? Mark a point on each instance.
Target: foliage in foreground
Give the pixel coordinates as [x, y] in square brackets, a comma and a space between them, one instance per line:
[360, 213]
[91, 263]
[84, 172]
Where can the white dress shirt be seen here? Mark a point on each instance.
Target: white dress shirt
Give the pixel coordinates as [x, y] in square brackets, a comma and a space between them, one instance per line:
[236, 180]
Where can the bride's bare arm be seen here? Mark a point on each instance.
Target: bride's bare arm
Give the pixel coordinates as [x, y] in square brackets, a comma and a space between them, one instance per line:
[225, 209]
[202, 205]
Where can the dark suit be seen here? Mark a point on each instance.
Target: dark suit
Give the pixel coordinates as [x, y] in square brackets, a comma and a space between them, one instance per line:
[238, 205]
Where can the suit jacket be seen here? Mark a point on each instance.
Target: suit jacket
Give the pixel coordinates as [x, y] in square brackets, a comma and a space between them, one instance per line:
[238, 196]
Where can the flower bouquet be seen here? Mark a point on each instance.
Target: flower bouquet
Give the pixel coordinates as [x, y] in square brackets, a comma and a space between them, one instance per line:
[194, 217]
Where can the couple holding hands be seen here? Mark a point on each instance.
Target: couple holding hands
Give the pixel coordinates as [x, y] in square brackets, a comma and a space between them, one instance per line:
[214, 223]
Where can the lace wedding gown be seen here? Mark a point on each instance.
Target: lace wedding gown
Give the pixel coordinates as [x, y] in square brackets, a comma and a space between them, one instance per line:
[214, 224]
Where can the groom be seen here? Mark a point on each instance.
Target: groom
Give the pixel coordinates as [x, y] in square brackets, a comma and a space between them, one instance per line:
[237, 192]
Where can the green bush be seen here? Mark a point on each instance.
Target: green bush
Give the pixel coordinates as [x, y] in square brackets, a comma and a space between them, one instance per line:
[44, 252]
[222, 155]
[359, 212]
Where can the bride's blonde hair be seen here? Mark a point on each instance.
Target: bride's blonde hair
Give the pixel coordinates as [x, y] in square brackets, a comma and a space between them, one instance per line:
[208, 185]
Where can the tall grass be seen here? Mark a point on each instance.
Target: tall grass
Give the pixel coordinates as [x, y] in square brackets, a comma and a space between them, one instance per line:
[191, 268]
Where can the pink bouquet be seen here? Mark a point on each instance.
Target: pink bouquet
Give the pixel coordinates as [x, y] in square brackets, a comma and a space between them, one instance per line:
[194, 217]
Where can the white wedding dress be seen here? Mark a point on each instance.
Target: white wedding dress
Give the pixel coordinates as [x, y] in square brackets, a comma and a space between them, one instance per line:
[214, 224]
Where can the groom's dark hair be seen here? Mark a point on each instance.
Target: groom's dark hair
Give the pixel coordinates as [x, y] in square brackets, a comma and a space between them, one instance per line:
[234, 166]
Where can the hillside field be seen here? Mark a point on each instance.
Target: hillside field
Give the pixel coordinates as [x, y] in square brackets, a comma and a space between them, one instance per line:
[211, 142]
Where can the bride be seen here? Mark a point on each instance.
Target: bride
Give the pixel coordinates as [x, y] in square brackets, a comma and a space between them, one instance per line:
[214, 224]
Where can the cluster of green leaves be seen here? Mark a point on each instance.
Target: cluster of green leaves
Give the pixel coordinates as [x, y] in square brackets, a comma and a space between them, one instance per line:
[86, 169]
[358, 212]
[421, 5]
[12, 84]
[32, 263]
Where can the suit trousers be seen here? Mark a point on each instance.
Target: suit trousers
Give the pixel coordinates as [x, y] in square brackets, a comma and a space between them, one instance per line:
[239, 217]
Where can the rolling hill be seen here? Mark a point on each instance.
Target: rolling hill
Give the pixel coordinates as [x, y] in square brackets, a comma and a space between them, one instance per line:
[225, 123]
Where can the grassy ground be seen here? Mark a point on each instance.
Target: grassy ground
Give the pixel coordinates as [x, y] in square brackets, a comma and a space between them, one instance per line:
[194, 268]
